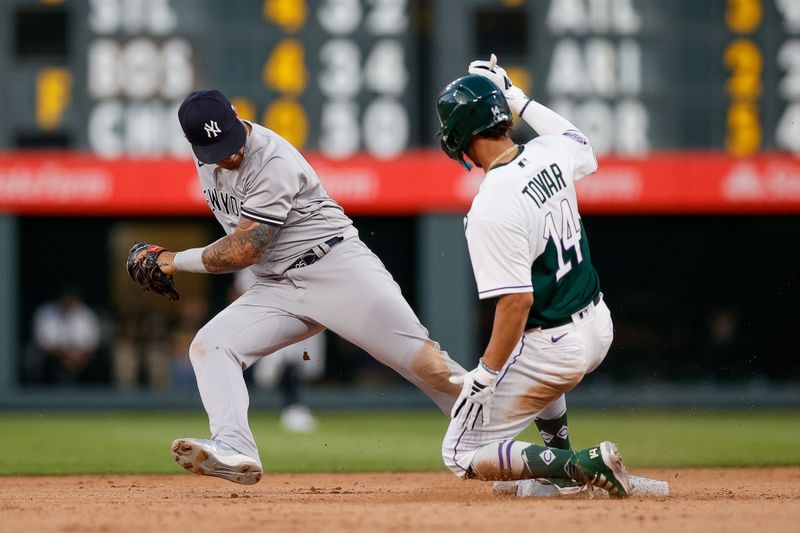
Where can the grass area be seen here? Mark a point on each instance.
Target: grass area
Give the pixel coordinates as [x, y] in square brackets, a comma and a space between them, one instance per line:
[47, 443]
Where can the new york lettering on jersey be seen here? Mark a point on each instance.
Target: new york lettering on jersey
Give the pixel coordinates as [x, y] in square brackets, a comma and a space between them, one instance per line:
[222, 201]
[274, 185]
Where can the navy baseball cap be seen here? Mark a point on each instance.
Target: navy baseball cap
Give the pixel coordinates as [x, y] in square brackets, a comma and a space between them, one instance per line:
[211, 126]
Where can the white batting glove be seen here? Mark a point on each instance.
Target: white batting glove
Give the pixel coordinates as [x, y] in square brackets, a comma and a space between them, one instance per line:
[475, 400]
[497, 75]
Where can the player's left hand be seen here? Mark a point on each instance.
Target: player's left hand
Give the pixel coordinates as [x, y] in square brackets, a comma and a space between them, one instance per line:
[475, 400]
[493, 72]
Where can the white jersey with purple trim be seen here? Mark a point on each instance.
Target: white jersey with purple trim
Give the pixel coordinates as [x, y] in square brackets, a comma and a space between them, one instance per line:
[525, 233]
[275, 185]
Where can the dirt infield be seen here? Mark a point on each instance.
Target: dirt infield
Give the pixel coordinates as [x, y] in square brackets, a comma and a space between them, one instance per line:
[705, 500]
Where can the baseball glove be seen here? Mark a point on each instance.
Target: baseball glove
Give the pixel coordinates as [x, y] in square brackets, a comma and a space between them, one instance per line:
[144, 270]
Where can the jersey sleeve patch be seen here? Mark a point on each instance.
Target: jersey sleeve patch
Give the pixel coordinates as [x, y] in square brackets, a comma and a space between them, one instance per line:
[584, 160]
[259, 217]
[576, 136]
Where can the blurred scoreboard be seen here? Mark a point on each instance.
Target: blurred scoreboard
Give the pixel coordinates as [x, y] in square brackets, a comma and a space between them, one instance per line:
[108, 75]
[349, 76]
[639, 75]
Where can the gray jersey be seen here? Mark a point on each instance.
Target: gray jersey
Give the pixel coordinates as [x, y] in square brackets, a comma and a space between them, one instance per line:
[274, 185]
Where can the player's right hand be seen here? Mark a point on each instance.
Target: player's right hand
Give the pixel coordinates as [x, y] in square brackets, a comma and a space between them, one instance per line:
[475, 400]
[496, 74]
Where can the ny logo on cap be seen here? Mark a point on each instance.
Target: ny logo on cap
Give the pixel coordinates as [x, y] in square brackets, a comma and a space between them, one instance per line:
[211, 127]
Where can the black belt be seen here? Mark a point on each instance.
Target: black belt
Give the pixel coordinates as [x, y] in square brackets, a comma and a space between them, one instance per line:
[569, 320]
[316, 253]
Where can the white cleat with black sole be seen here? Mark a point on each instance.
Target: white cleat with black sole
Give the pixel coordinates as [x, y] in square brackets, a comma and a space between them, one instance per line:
[215, 458]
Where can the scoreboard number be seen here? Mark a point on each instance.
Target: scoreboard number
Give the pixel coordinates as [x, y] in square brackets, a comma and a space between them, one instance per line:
[364, 77]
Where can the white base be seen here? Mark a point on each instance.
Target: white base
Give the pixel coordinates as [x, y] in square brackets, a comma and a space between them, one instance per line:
[640, 486]
[648, 487]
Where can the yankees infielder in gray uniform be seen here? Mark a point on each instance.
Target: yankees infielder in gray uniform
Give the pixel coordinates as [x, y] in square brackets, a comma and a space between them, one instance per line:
[528, 249]
[313, 273]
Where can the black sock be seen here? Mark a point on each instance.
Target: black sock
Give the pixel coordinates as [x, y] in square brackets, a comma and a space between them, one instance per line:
[555, 432]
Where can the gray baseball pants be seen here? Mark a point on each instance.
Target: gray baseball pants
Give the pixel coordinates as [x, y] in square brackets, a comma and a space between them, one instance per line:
[348, 291]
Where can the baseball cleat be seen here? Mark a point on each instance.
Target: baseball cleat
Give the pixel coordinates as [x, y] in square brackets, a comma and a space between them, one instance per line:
[601, 466]
[215, 458]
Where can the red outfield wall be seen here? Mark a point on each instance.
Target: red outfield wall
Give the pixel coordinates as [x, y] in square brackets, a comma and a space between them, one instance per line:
[422, 181]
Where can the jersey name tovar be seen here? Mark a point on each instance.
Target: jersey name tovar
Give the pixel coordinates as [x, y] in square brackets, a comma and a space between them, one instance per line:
[542, 186]
[222, 201]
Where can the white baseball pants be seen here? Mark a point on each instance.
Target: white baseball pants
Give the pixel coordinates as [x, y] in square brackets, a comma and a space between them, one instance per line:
[544, 365]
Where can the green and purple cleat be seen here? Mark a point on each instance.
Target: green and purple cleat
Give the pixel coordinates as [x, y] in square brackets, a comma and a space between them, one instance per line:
[601, 466]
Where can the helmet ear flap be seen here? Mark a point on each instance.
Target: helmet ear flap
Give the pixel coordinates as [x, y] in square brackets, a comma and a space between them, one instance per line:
[454, 153]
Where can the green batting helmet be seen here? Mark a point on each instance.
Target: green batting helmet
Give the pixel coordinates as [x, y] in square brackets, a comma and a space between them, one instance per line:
[466, 107]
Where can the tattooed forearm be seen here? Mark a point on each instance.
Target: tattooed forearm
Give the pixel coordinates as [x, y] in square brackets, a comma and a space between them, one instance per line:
[239, 250]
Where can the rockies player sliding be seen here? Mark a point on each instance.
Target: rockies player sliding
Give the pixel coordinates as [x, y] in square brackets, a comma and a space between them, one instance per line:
[313, 273]
[528, 249]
